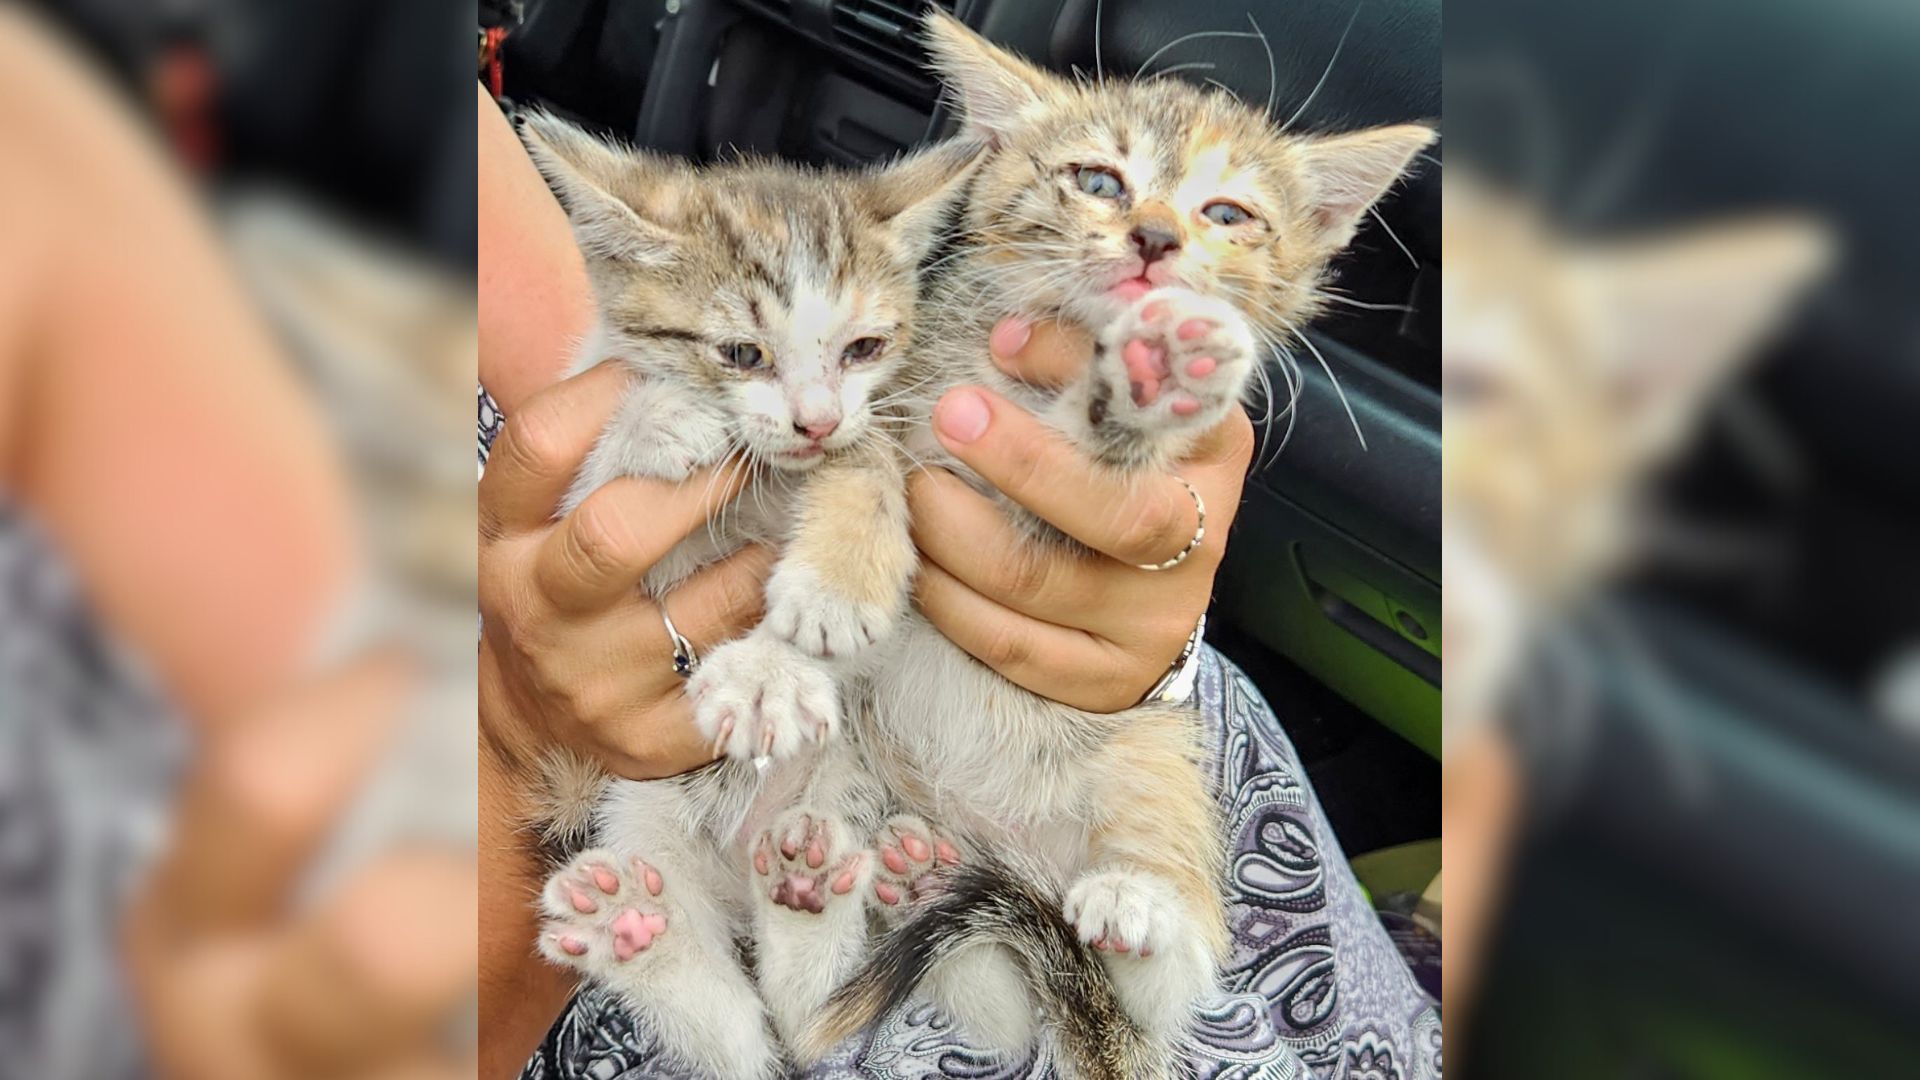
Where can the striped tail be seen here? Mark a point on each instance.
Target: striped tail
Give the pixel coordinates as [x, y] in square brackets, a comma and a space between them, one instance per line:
[988, 903]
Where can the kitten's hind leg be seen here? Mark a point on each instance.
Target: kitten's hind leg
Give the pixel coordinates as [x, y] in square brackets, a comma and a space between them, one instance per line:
[910, 854]
[618, 921]
[809, 882]
[1150, 898]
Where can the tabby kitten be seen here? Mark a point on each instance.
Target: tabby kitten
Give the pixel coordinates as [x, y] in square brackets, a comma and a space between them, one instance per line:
[1187, 232]
[763, 312]
[1571, 371]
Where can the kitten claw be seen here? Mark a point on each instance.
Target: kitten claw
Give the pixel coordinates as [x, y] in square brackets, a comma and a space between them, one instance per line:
[761, 698]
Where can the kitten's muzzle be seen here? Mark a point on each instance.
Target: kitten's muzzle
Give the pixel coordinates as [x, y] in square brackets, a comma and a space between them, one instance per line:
[1154, 241]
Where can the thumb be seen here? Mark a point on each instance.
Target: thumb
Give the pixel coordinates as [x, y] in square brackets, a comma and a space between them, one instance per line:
[267, 789]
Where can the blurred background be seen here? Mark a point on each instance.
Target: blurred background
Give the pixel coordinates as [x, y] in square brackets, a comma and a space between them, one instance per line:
[1681, 366]
[237, 366]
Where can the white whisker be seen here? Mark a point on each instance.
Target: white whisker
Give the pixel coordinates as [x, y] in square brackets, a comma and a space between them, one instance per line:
[1195, 36]
[1328, 71]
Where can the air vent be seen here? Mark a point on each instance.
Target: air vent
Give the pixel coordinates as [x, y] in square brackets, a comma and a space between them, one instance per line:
[886, 30]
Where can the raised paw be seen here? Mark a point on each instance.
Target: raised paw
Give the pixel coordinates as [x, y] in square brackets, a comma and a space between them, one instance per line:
[1125, 911]
[601, 909]
[806, 862]
[817, 620]
[910, 852]
[1185, 358]
[760, 697]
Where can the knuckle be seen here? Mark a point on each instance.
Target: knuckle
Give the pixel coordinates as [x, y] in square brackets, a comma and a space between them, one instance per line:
[534, 440]
[1153, 532]
[1025, 463]
[1008, 648]
[603, 541]
[1024, 577]
[576, 700]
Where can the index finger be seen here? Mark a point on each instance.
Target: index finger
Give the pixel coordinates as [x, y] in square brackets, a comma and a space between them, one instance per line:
[1137, 520]
[540, 448]
[1045, 353]
[603, 550]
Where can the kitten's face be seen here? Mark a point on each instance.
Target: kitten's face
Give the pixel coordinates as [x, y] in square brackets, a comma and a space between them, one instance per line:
[1570, 372]
[785, 296]
[789, 307]
[1098, 192]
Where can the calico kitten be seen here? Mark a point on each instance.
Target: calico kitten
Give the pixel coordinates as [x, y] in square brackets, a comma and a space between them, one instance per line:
[763, 311]
[1571, 371]
[1187, 232]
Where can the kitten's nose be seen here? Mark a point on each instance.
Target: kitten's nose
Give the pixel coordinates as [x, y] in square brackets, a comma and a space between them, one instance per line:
[818, 431]
[1153, 240]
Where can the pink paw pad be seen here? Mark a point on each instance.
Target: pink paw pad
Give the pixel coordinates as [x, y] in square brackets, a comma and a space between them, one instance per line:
[602, 903]
[910, 855]
[800, 869]
[634, 932]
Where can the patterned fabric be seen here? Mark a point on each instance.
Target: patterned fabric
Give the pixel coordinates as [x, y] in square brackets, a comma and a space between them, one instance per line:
[1314, 988]
[491, 421]
[87, 756]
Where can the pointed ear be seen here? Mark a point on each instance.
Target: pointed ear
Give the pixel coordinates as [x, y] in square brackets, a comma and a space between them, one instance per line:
[1348, 173]
[993, 86]
[915, 196]
[1678, 316]
[600, 186]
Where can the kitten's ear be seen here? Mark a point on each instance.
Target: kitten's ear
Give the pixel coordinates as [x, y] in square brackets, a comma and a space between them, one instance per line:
[601, 186]
[992, 85]
[915, 196]
[1676, 317]
[1349, 173]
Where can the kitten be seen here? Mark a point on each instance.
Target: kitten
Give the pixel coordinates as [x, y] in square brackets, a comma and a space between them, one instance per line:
[1571, 371]
[1187, 232]
[763, 311]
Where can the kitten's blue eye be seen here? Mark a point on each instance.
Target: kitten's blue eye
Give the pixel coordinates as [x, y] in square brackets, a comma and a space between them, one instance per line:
[744, 355]
[865, 348]
[1099, 183]
[1226, 213]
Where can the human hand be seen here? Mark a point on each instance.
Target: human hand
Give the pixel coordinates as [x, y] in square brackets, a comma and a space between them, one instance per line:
[231, 980]
[1094, 632]
[572, 653]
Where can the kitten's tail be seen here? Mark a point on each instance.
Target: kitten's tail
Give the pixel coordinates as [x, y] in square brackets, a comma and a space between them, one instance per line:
[988, 903]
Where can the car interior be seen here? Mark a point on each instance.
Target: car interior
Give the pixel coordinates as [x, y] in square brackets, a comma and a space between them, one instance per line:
[1329, 599]
[1688, 877]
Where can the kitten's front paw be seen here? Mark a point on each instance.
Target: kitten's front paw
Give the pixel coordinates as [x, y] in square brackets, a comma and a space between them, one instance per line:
[817, 620]
[601, 910]
[1178, 359]
[1124, 911]
[760, 697]
[806, 862]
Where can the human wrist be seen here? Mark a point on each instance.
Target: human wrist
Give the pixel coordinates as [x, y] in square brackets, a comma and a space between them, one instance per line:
[1177, 683]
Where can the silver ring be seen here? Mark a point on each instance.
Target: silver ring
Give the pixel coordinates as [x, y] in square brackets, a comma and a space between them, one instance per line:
[685, 660]
[1199, 532]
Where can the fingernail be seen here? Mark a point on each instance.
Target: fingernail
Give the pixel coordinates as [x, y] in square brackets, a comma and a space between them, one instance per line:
[962, 415]
[1009, 337]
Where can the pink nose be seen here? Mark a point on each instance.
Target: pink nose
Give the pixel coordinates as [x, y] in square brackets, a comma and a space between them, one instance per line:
[819, 431]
